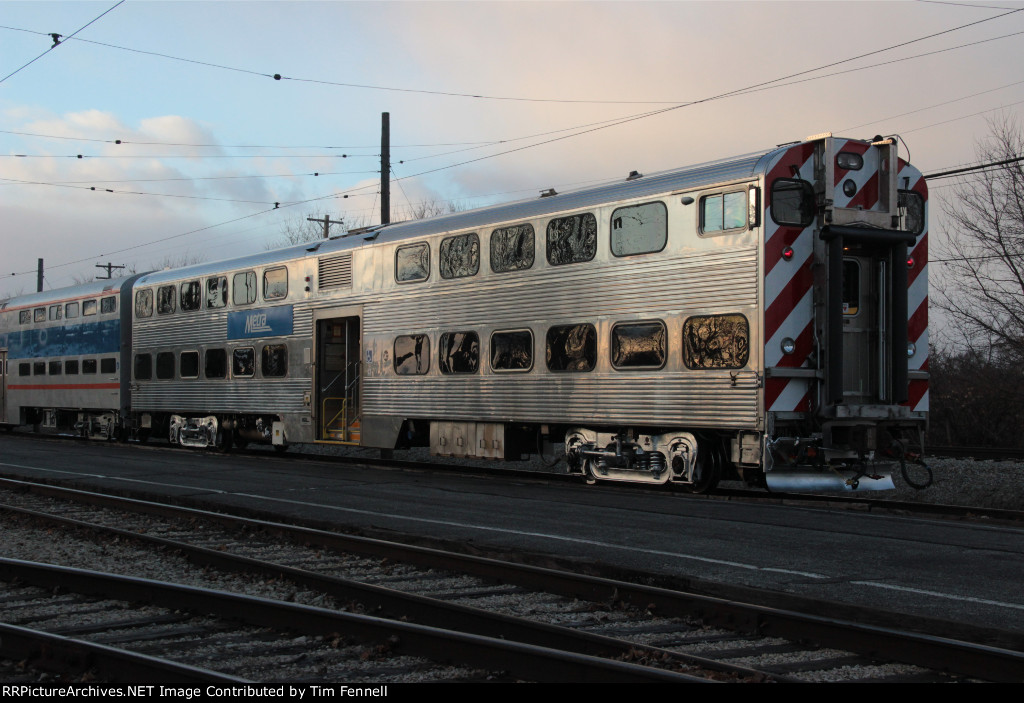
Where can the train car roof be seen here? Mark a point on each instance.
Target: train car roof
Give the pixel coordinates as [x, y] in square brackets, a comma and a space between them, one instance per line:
[84, 290]
[679, 179]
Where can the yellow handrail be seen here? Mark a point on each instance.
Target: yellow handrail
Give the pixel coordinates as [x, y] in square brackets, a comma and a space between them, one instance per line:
[341, 413]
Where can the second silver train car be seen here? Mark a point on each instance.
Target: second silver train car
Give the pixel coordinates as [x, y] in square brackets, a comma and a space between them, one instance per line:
[762, 317]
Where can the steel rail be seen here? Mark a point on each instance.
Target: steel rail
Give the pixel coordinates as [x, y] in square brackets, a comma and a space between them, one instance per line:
[393, 604]
[528, 662]
[934, 652]
[52, 652]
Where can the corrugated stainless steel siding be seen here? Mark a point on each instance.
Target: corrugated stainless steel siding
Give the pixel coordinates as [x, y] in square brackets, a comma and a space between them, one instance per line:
[694, 399]
[719, 280]
[242, 396]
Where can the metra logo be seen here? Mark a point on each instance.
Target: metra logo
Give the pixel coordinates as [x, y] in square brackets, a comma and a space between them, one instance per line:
[268, 322]
[257, 323]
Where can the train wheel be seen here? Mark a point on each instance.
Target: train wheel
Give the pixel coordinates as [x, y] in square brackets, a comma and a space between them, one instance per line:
[708, 471]
[241, 442]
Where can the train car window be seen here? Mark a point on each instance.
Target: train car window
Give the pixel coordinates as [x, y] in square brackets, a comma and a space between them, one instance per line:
[217, 292]
[88, 366]
[143, 367]
[723, 212]
[243, 362]
[191, 295]
[108, 365]
[108, 304]
[88, 307]
[71, 367]
[24, 316]
[459, 352]
[56, 368]
[275, 283]
[144, 303]
[24, 369]
[274, 361]
[39, 314]
[911, 211]
[512, 248]
[38, 368]
[165, 300]
[216, 364]
[56, 312]
[71, 311]
[412, 354]
[412, 263]
[460, 256]
[512, 351]
[792, 202]
[572, 347]
[716, 342]
[851, 287]
[572, 239]
[165, 365]
[243, 288]
[639, 345]
[189, 364]
[639, 229]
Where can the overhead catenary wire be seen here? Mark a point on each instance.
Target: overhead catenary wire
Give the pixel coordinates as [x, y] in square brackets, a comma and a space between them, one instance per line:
[57, 40]
[480, 96]
[580, 132]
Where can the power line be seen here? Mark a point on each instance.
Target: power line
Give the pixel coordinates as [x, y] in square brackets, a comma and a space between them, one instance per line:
[231, 146]
[279, 77]
[969, 169]
[57, 41]
[617, 122]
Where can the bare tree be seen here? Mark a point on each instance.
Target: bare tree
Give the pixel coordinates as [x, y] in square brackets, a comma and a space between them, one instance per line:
[299, 229]
[984, 257]
[432, 208]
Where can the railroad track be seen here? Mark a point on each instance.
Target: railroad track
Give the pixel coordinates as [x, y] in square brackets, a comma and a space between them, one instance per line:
[697, 635]
[856, 501]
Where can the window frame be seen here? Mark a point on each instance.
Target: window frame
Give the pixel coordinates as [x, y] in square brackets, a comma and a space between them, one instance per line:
[413, 245]
[547, 239]
[274, 270]
[507, 369]
[423, 355]
[502, 232]
[613, 342]
[444, 364]
[235, 288]
[181, 363]
[685, 348]
[611, 230]
[547, 346]
[743, 191]
[264, 356]
[234, 356]
[474, 239]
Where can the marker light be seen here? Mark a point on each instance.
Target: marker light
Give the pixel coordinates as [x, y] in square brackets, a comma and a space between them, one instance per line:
[788, 346]
[787, 253]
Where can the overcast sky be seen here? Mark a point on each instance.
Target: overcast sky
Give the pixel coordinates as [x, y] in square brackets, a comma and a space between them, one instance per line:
[212, 141]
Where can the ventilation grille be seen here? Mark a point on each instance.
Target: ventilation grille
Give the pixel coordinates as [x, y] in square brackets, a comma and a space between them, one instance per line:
[335, 271]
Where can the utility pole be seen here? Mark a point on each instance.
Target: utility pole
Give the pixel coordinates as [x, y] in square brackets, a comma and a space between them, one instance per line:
[385, 168]
[327, 222]
[110, 268]
[39, 277]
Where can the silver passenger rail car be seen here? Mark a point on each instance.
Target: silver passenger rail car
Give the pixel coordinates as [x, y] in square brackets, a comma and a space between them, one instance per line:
[762, 317]
[62, 358]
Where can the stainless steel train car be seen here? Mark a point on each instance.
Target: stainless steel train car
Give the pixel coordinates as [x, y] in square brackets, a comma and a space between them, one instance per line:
[762, 317]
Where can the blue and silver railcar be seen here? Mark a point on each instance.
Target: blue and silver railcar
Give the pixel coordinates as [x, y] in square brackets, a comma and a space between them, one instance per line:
[63, 354]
